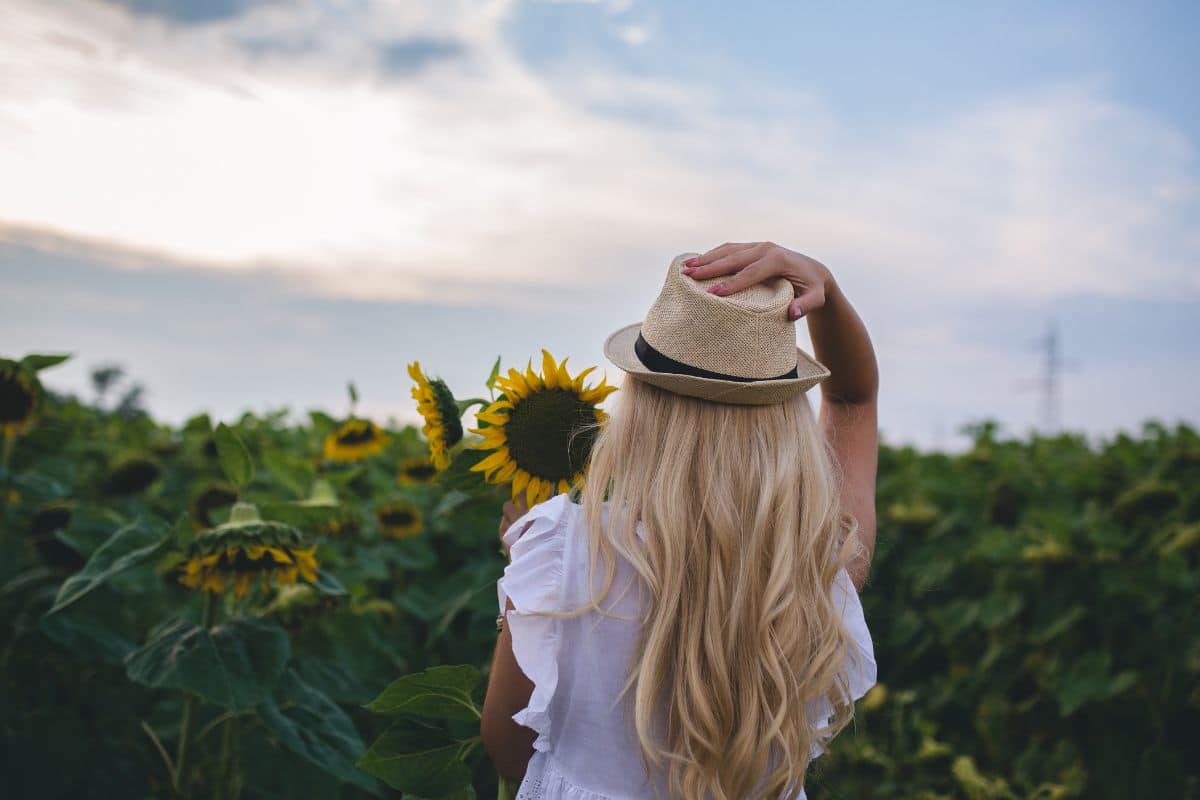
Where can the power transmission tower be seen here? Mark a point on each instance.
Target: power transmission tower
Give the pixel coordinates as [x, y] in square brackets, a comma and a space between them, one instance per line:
[1054, 364]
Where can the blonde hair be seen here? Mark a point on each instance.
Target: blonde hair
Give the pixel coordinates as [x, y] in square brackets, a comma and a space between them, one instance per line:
[744, 536]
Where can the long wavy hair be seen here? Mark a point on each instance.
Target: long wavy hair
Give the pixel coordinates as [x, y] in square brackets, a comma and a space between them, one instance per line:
[744, 536]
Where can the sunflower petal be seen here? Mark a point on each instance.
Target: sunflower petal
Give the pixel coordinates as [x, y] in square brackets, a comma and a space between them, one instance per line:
[532, 378]
[549, 370]
[506, 472]
[564, 377]
[520, 481]
[532, 491]
[577, 384]
[496, 459]
[518, 384]
[564, 487]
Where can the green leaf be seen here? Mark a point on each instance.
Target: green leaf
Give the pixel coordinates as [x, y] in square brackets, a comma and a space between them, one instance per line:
[495, 373]
[327, 584]
[424, 761]
[440, 692]
[87, 635]
[126, 548]
[234, 457]
[311, 725]
[234, 665]
[458, 474]
[294, 474]
[37, 362]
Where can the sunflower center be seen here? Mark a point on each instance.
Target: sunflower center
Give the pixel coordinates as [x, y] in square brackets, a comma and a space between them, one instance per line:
[545, 433]
[420, 472]
[398, 518]
[356, 434]
[16, 400]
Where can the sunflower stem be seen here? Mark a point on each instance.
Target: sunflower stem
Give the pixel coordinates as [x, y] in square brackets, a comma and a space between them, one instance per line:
[506, 790]
[228, 786]
[189, 706]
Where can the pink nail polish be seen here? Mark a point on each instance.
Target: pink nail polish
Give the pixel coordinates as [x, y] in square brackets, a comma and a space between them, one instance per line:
[716, 287]
[688, 270]
[691, 262]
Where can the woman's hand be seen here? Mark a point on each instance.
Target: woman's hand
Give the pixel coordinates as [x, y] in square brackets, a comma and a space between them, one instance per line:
[510, 513]
[748, 263]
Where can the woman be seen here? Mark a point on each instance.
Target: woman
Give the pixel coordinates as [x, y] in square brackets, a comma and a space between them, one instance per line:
[693, 628]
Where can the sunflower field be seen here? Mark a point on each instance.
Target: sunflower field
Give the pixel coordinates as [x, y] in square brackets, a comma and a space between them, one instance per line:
[278, 607]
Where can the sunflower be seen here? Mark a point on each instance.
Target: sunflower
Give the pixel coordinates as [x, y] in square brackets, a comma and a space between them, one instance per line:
[442, 428]
[213, 495]
[131, 475]
[336, 519]
[355, 440]
[246, 548]
[399, 520]
[541, 430]
[416, 470]
[18, 398]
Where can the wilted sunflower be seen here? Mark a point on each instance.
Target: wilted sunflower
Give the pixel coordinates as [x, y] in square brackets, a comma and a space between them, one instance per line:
[18, 398]
[541, 430]
[399, 520]
[338, 519]
[417, 470]
[442, 428]
[355, 440]
[246, 548]
[131, 475]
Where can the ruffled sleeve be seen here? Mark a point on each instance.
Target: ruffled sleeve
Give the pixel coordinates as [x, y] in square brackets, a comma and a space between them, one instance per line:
[534, 581]
[861, 670]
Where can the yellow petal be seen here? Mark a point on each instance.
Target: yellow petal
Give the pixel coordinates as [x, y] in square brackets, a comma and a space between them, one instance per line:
[506, 472]
[531, 377]
[577, 384]
[532, 491]
[520, 481]
[549, 370]
[241, 583]
[564, 487]
[496, 459]
[517, 383]
[564, 377]
[280, 556]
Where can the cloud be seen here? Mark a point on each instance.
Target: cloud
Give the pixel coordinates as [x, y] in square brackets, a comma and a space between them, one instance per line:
[634, 35]
[190, 12]
[408, 56]
[116, 130]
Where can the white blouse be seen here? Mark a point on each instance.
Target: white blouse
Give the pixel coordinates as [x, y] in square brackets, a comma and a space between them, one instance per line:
[585, 748]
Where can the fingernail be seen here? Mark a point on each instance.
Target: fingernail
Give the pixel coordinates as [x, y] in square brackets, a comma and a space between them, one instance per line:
[688, 270]
[716, 287]
[691, 262]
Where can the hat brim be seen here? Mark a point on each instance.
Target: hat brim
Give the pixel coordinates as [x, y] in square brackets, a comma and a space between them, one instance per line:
[619, 349]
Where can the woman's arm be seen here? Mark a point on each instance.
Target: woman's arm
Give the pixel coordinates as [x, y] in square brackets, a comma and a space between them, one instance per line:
[849, 415]
[849, 412]
[508, 691]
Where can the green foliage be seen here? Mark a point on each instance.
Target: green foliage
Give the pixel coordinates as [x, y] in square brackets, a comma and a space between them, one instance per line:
[1033, 603]
[128, 547]
[235, 459]
[234, 665]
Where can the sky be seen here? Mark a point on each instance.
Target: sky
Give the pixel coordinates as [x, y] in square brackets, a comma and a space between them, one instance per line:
[249, 203]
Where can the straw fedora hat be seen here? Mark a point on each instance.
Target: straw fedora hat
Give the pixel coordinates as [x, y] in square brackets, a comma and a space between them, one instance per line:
[740, 348]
